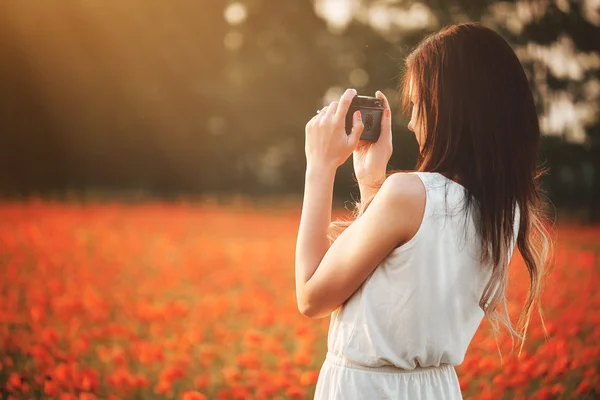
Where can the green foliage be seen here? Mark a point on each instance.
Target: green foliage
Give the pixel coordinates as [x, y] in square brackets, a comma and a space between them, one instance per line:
[171, 98]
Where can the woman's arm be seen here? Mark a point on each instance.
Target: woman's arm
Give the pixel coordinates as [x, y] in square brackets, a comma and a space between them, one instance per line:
[312, 242]
[326, 278]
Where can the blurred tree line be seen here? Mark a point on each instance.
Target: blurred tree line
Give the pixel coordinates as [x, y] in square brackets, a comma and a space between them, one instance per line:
[191, 97]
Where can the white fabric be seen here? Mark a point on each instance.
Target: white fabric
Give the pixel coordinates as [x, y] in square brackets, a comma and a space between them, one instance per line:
[419, 308]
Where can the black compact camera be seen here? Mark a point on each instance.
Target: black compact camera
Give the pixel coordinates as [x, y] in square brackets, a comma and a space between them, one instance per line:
[371, 111]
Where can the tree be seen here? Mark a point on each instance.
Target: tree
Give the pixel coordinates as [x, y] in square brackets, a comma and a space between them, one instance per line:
[529, 26]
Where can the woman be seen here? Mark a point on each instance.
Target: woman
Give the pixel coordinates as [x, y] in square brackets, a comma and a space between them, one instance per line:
[409, 280]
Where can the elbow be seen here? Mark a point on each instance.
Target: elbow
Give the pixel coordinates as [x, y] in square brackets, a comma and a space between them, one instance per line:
[311, 311]
[311, 314]
[311, 306]
[308, 312]
[305, 309]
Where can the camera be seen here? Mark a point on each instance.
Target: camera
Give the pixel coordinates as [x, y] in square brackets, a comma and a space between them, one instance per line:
[371, 111]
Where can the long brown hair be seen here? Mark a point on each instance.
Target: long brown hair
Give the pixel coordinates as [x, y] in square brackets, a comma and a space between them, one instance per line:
[481, 126]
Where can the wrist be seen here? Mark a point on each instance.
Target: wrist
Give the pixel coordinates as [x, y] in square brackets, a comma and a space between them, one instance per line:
[370, 177]
[366, 192]
[320, 170]
[366, 184]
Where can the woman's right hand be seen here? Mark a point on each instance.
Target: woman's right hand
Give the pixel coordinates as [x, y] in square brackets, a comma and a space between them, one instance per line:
[370, 159]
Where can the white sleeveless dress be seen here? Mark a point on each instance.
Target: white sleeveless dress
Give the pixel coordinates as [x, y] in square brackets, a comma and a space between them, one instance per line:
[401, 333]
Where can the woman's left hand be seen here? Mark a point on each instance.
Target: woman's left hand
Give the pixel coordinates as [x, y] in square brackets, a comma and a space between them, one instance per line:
[327, 144]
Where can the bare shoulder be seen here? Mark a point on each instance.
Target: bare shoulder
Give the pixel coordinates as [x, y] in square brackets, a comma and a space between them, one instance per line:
[404, 187]
[404, 196]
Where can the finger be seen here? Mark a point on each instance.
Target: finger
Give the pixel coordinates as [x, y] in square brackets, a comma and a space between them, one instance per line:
[311, 122]
[379, 94]
[332, 108]
[321, 113]
[315, 116]
[386, 118]
[357, 129]
[318, 113]
[344, 104]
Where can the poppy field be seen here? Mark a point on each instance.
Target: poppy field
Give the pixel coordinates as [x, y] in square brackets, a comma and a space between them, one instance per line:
[197, 301]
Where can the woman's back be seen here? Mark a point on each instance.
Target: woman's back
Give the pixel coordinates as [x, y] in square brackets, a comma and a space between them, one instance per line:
[474, 117]
[420, 306]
